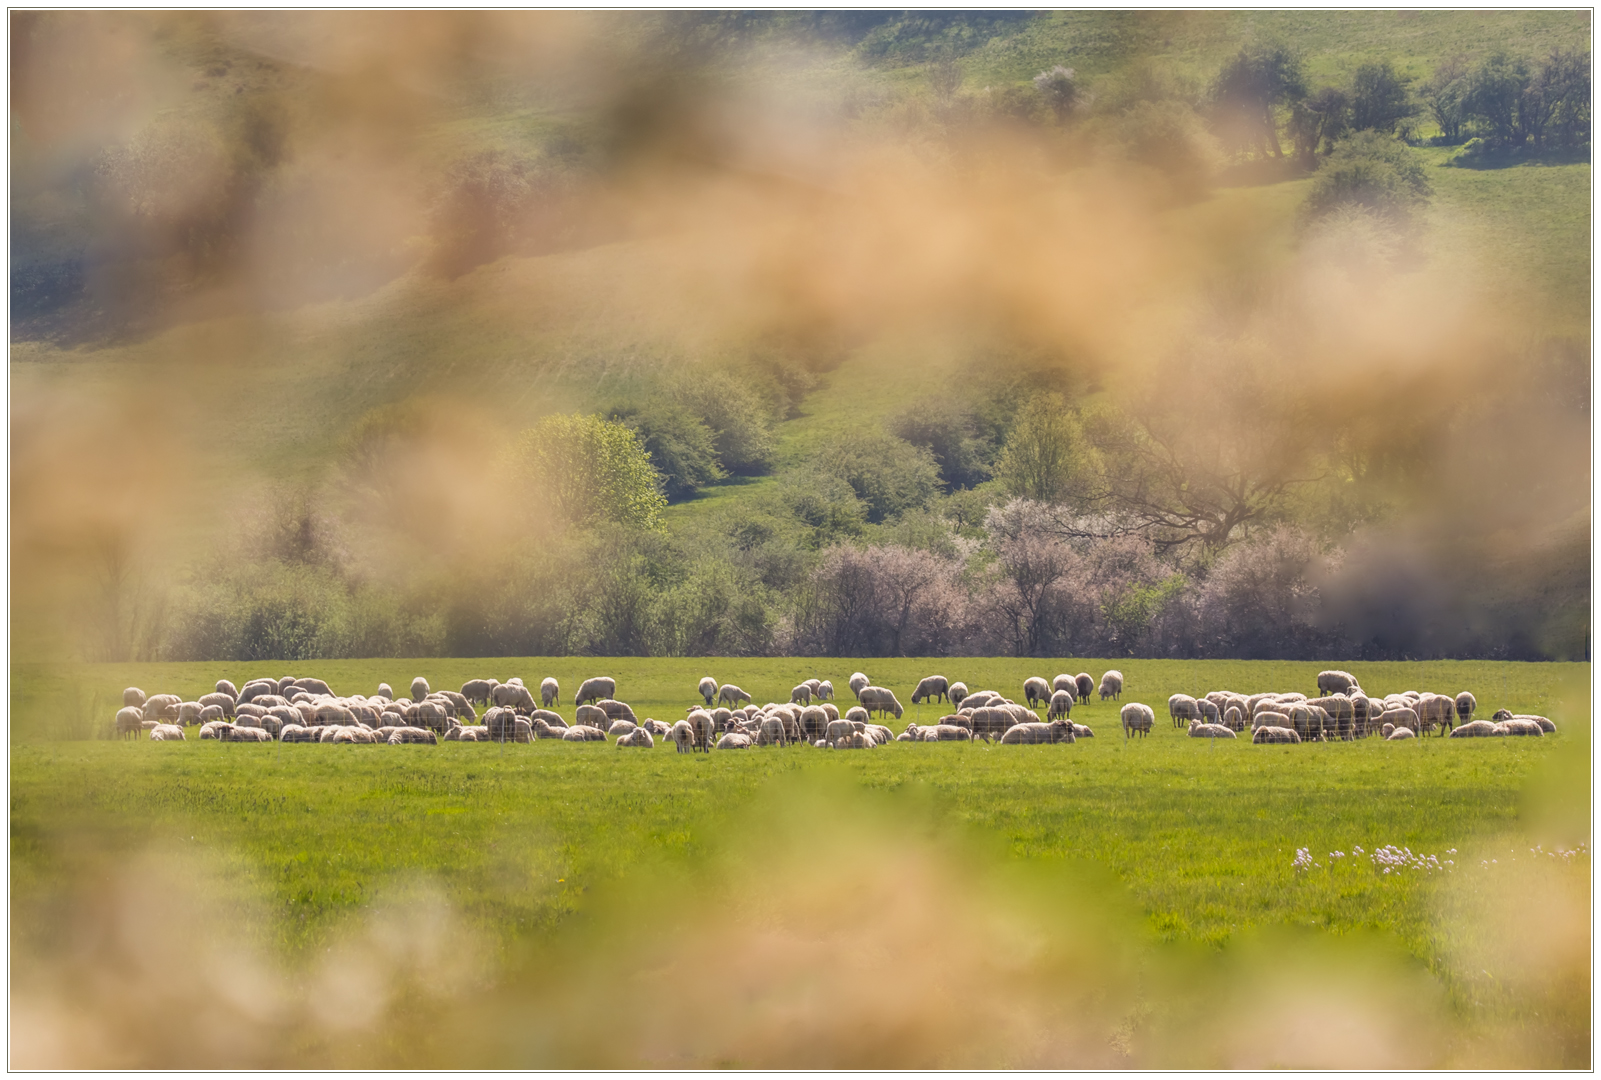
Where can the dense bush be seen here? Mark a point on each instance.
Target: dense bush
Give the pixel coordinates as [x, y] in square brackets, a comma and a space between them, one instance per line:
[889, 475]
[1374, 172]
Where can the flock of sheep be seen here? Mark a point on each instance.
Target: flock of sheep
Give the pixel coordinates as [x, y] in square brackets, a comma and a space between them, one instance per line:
[294, 709]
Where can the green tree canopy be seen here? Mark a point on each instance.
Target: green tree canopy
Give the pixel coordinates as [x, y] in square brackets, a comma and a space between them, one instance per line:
[1375, 172]
[589, 470]
[1046, 456]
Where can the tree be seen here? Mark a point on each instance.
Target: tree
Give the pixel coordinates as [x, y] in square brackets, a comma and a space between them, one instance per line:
[1249, 90]
[588, 470]
[680, 446]
[948, 431]
[1495, 98]
[889, 475]
[1046, 456]
[1371, 171]
[1445, 96]
[1319, 120]
[1059, 90]
[1380, 98]
[1562, 90]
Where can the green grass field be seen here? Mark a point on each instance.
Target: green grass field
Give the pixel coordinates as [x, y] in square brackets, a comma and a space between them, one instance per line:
[1194, 841]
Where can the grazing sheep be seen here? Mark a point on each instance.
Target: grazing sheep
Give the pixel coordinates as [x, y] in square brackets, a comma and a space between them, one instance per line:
[933, 688]
[257, 688]
[213, 712]
[1520, 726]
[1057, 731]
[1335, 682]
[704, 728]
[1136, 717]
[1436, 710]
[1112, 685]
[512, 696]
[622, 727]
[133, 696]
[128, 720]
[591, 716]
[225, 687]
[731, 695]
[1466, 703]
[814, 721]
[166, 733]
[162, 707]
[314, 686]
[385, 692]
[1401, 716]
[1475, 729]
[1199, 730]
[879, 699]
[771, 732]
[1061, 704]
[222, 701]
[477, 690]
[1035, 690]
[683, 736]
[419, 688]
[825, 691]
[459, 705]
[1233, 718]
[858, 682]
[617, 710]
[1272, 734]
[801, 695]
[957, 693]
[1065, 682]
[1083, 686]
[838, 733]
[1182, 709]
[1209, 711]
[1399, 733]
[990, 720]
[707, 689]
[595, 689]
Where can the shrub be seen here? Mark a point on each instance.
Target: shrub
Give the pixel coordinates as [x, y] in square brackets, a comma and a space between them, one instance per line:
[1372, 171]
[950, 433]
[588, 470]
[887, 474]
[682, 448]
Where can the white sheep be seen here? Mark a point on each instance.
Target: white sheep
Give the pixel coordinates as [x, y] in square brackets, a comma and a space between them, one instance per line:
[1475, 729]
[1034, 732]
[1112, 686]
[1084, 683]
[1335, 682]
[129, 719]
[731, 695]
[879, 699]
[622, 728]
[857, 682]
[704, 729]
[734, 740]
[637, 737]
[594, 689]
[133, 696]
[385, 692]
[839, 732]
[166, 733]
[1198, 730]
[1135, 716]
[477, 690]
[1065, 682]
[825, 691]
[591, 716]
[957, 693]
[683, 736]
[1399, 733]
[1520, 726]
[1182, 709]
[1036, 689]
[419, 688]
[1466, 703]
[707, 689]
[1061, 704]
[932, 688]
[1270, 733]
[801, 695]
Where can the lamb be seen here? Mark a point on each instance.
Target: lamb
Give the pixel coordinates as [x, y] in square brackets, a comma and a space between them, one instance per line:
[478, 690]
[801, 694]
[128, 720]
[1136, 717]
[1199, 730]
[957, 693]
[595, 689]
[544, 730]
[1061, 704]
[1112, 685]
[1036, 689]
[859, 682]
[731, 695]
[825, 691]
[933, 688]
[1476, 729]
[1399, 733]
[166, 733]
[1182, 708]
[1271, 734]
[734, 740]
[879, 699]
[419, 688]
[1466, 703]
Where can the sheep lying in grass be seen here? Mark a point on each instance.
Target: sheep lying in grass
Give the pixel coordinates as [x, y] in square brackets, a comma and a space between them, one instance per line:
[403, 735]
[245, 734]
[1199, 730]
[583, 733]
[1112, 685]
[734, 740]
[637, 737]
[1057, 731]
[1399, 733]
[1475, 729]
[166, 733]
[1520, 726]
[1272, 734]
